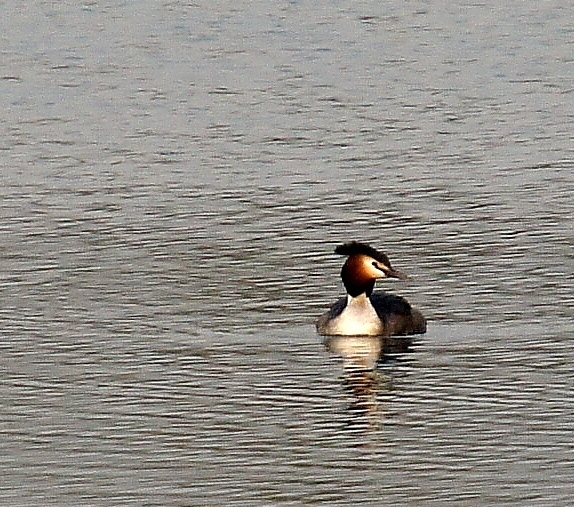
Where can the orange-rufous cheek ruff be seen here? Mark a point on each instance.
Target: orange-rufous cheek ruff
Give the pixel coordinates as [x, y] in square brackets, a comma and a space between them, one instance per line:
[360, 269]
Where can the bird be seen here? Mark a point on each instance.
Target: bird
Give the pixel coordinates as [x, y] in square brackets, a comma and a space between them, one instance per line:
[364, 312]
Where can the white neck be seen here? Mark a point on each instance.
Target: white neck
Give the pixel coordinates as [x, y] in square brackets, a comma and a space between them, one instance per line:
[358, 318]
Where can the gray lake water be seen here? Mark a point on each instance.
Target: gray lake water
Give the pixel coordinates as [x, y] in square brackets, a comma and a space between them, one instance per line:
[174, 178]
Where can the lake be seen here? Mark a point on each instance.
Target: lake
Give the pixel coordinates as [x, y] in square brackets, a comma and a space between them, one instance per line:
[175, 177]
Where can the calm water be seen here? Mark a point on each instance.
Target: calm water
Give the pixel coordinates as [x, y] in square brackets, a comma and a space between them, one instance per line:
[174, 178]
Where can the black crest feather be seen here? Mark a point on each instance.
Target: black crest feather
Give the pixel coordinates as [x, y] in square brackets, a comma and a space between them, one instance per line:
[356, 248]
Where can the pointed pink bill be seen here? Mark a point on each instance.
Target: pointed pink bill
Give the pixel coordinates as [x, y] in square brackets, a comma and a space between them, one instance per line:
[393, 273]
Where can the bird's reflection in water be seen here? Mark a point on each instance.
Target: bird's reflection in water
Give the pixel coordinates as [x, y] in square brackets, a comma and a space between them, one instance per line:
[361, 355]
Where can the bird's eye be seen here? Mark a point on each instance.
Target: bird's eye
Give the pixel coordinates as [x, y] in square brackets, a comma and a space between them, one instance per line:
[379, 267]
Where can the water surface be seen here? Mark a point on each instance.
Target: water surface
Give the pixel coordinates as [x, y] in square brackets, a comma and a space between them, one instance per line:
[175, 177]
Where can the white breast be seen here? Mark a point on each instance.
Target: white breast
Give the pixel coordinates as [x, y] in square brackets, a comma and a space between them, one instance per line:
[358, 318]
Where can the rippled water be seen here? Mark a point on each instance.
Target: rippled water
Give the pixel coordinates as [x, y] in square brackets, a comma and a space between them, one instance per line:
[175, 177]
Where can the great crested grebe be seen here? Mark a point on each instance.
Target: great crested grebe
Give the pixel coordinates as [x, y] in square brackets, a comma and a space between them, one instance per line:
[363, 312]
